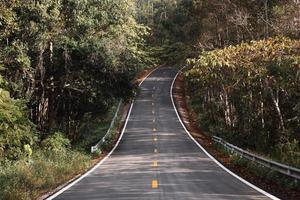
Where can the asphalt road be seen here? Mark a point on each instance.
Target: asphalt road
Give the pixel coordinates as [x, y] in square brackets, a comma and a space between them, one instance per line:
[156, 159]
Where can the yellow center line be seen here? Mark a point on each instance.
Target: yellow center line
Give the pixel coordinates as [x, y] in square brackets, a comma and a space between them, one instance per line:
[154, 164]
[154, 184]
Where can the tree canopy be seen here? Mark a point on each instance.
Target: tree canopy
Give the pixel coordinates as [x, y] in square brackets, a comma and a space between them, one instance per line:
[68, 58]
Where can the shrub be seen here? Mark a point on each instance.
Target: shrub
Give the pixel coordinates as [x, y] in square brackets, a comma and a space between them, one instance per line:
[16, 130]
[56, 143]
[288, 152]
[28, 179]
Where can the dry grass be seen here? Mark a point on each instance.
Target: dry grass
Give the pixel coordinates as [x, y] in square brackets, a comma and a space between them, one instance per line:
[29, 179]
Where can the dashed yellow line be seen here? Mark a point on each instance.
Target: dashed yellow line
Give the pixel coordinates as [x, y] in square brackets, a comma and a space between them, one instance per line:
[154, 184]
[154, 164]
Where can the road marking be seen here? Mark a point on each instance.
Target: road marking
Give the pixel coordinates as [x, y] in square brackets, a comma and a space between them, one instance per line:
[52, 196]
[155, 139]
[152, 95]
[154, 184]
[153, 112]
[209, 155]
[154, 164]
[153, 120]
[154, 129]
[154, 88]
[155, 151]
[152, 104]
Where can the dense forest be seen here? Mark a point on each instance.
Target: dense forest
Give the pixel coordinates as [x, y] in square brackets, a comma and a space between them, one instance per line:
[243, 67]
[62, 60]
[64, 63]
[245, 84]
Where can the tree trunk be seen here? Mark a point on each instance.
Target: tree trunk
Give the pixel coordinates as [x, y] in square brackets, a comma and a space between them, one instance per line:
[275, 101]
[43, 104]
[262, 105]
[266, 19]
[51, 94]
[224, 99]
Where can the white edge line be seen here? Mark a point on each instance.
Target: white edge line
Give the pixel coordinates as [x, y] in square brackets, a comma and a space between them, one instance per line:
[107, 156]
[209, 155]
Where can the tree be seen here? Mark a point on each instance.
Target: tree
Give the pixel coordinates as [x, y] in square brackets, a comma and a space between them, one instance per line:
[70, 58]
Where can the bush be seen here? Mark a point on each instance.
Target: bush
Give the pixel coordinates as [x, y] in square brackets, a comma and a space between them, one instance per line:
[288, 152]
[44, 171]
[56, 143]
[174, 52]
[16, 130]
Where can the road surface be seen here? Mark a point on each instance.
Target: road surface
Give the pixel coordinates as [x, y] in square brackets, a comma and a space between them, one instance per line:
[156, 159]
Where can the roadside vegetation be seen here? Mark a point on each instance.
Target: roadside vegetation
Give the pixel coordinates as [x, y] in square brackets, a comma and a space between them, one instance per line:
[243, 67]
[250, 94]
[247, 90]
[64, 65]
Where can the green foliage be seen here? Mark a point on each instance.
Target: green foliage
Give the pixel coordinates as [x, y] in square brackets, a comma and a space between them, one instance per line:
[46, 170]
[259, 170]
[68, 61]
[250, 93]
[289, 151]
[266, 173]
[173, 53]
[61, 61]
[52, 163]
[209, 24]
[16, 131]
[57, 143]
[70, 58]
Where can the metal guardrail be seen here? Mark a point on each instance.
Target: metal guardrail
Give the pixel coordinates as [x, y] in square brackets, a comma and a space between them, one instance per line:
[108, 132]
[275, 166]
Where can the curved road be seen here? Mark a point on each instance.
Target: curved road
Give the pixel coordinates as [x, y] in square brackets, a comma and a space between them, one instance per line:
[156, 159]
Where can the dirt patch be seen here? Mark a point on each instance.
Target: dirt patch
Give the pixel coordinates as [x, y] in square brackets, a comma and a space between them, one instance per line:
[188, 117]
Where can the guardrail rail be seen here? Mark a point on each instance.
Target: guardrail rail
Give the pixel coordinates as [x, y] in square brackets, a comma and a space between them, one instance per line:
[108, 132]
[275, 166]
